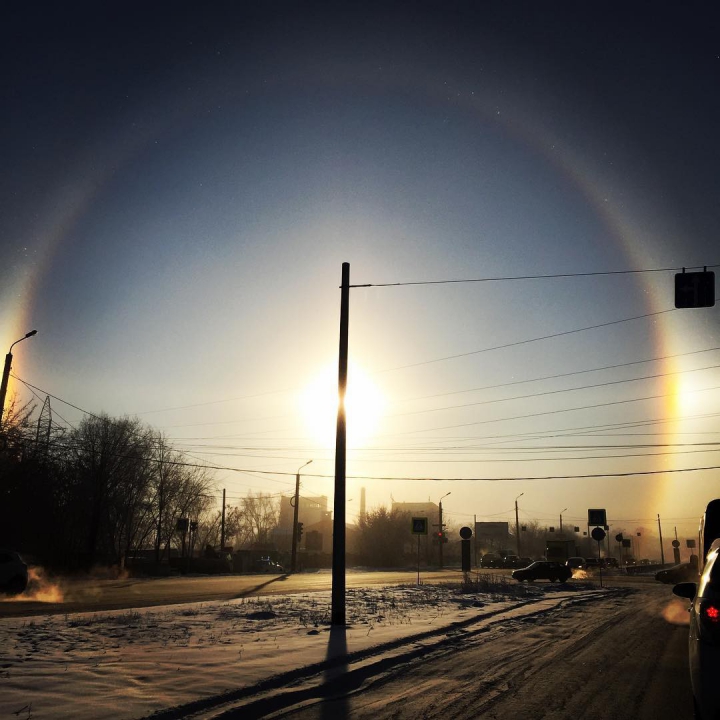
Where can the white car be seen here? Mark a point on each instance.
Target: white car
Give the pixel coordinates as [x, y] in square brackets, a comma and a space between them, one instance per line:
[704, 639]
[13, 573]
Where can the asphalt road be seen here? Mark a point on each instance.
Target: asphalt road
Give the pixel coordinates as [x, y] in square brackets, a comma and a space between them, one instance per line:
[90, 594]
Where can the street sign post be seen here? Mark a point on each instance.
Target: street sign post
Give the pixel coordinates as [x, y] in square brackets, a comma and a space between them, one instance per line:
[598, 534]
[418, 526]
[597, 517]
[465, 534]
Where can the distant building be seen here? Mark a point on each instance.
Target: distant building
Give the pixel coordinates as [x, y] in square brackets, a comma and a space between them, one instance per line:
[313, 513]
[430, 510]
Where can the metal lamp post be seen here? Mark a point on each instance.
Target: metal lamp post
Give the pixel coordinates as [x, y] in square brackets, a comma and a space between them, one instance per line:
[293, 558]
[561, 512]
[6, 372]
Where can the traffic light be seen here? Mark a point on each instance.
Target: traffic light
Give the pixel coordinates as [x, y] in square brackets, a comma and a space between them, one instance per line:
[299, 531]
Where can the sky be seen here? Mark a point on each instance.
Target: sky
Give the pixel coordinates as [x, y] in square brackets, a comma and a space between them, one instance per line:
[181, 185]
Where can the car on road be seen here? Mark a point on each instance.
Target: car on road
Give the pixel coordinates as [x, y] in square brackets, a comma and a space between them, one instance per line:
[490, 560]
[704, 635]
[512, 561]
[543, 570]
[266, 565]
[576, 563]
[13, 573]
[684, 572]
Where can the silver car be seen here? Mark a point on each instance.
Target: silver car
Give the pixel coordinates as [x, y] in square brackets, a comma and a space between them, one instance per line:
[705, 635]
[13, 573]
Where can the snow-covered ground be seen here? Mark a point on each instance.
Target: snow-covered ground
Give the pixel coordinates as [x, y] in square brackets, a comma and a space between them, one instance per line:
[132, 663]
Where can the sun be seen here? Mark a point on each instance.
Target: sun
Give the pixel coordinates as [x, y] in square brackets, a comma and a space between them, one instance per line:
[364, 405]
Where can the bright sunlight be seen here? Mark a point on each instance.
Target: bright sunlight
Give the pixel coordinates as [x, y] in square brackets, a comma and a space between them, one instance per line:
[364, 405]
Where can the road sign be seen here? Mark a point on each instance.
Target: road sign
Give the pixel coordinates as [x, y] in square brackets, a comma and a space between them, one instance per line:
[419, 526]
[676, 543]
[465, 533]
[695, 289]
[690, 543]
[597, 517]
[626, 543]
[598, 534]
[619, 537]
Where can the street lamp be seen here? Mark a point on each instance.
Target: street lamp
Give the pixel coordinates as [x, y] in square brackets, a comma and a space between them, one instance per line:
[517, 523]
[561, 512]
[6, 372]
[441, 534]
[293, 557]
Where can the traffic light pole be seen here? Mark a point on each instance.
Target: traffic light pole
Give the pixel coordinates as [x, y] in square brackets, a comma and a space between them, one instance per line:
[337, 611]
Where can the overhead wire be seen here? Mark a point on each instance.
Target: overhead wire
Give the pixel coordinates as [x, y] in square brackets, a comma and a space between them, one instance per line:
[507, 278]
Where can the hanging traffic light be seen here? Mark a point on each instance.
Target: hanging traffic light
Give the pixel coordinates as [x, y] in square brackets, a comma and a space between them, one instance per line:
[299, 531]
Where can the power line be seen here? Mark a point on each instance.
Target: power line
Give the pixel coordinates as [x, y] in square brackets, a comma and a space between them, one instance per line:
[533, 277]
[413, 479]
[554, 392]
[555, 412]
[561, 375]
[524, 342]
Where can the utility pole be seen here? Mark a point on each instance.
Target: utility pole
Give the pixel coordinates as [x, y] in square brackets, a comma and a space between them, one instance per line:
[296, 507]
[441, 533]
[440, 536]
[222, 524]
[561, 512]
[662, 552]
[337, 610]
[517, 524]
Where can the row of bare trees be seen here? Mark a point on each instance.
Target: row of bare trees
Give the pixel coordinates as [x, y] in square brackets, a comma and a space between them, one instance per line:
[97, 493]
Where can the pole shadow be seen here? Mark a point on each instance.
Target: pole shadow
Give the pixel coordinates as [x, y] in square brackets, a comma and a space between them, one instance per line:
[335, 687]
[254, 590]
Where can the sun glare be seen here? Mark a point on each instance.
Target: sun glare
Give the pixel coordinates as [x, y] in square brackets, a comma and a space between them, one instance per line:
[364, 404]
[687, 398]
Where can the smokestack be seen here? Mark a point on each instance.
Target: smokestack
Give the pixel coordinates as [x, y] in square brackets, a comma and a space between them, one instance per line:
[362, 503]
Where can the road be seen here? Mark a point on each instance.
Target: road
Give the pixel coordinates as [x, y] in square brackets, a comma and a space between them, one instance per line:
[84, 595]
[618, 659]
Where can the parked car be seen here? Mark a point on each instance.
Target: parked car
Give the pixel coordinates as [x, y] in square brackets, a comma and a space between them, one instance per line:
[684, 572]
[543, 570]
[266, 565]
[576, 563]
[512, 561]
[610, 562]
[525, 561]
[490, 560]
[13, 573]
[704, 637]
